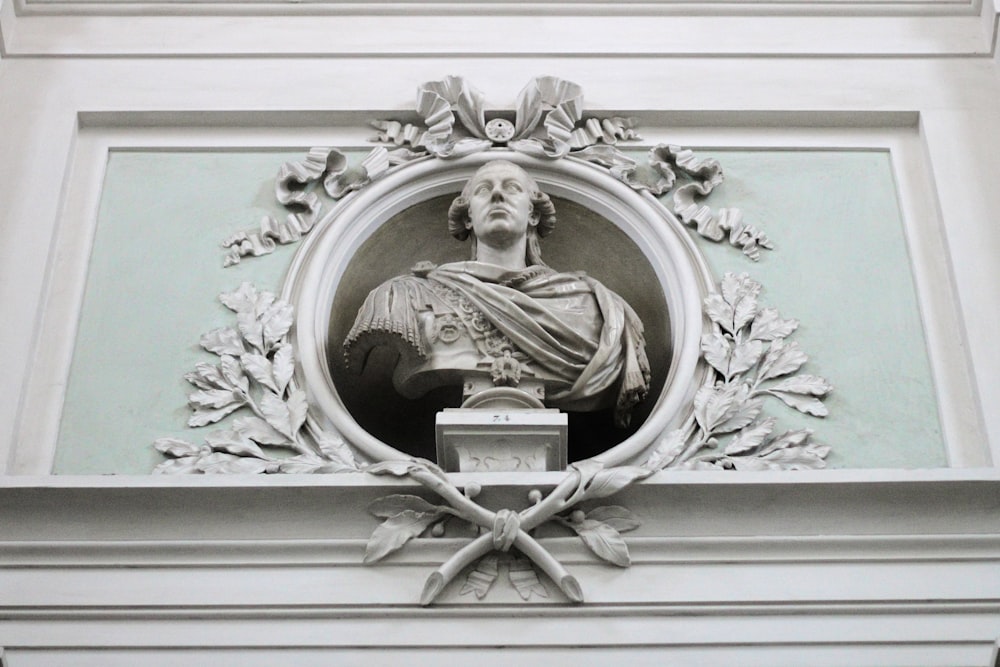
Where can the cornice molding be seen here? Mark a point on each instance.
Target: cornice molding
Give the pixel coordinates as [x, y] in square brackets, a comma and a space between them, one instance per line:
[857, 633]
[501, 8]
[894, 28]
[743, 550]
[792, 505]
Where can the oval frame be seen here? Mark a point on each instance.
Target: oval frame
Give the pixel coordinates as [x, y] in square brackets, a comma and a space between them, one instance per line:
[315, 272]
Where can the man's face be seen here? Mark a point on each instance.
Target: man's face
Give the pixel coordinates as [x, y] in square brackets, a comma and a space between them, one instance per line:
[500, 205]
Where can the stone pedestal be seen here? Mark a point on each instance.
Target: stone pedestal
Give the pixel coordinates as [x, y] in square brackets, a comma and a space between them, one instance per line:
[495, 440]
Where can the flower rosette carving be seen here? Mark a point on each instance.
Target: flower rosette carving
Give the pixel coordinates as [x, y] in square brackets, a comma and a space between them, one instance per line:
[253, 378]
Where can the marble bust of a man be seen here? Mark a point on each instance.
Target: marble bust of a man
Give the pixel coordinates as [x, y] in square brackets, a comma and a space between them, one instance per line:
[505, 314]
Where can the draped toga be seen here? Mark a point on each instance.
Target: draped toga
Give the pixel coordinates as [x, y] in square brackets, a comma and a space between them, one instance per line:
[567, 329]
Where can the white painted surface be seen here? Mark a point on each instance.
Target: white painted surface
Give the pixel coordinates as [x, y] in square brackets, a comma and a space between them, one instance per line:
[846, 567]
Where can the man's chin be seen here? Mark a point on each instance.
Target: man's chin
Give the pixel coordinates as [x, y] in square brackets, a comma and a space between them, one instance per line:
[502, 225]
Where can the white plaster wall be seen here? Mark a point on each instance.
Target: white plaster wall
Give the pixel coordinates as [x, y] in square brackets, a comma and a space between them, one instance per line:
[842, 567]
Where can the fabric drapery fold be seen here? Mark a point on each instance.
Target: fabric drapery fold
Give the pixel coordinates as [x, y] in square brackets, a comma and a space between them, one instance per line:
[580, 336]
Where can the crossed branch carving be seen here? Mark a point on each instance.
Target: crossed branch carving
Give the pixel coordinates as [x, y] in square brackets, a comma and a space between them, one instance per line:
[506, 528]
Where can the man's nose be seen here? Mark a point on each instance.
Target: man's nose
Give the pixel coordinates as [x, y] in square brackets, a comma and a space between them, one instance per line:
[497, 194]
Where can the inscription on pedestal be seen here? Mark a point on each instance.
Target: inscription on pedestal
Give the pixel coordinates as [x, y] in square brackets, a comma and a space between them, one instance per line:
[484, 440]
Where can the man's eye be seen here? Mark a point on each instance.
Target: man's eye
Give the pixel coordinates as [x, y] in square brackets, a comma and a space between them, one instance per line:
[481, 189]
[513, 187]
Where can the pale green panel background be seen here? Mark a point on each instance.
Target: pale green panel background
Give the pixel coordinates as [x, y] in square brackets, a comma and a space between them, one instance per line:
[155, 273]
[840, 266]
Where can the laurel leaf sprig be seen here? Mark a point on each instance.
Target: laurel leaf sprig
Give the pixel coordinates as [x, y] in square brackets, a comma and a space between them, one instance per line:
[751, 361]
[254, 380]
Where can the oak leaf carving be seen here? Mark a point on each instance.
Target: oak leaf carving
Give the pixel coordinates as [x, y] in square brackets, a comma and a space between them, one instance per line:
[224, 340]
[259, 431]
[234, 443]
[259, 368]
[204, 416]
[781, 359]
[397, 530]
[750, 438]
[807, 404]
[337, 451]
[610, 481]
[601, 538]
[242, 299]
[283, 367]
[620, 518]
[176, 447]
[768, 326]
[389, 506]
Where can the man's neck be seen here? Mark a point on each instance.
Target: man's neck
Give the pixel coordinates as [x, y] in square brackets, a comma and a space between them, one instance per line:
[511, 258]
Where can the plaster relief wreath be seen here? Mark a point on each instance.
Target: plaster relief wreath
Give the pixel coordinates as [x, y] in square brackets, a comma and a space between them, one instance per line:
[262, 418]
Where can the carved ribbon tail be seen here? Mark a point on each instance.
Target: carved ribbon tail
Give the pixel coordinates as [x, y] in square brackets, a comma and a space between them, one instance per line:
[566, 100]
[438, 102]
[706, 174]
[290, 189]
[565, 128]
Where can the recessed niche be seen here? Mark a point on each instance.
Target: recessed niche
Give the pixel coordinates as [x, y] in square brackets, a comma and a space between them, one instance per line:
[582, 241]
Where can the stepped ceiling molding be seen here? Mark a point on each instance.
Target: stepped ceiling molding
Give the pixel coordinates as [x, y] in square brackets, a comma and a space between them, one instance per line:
[897, 28]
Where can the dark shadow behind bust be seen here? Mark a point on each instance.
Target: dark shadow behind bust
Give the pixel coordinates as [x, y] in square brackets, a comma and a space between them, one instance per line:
[581, 241]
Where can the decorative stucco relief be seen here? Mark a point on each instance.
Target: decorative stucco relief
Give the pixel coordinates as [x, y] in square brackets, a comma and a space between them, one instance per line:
[549, 124]
[746, 348]
[272, 428]
[253, 382]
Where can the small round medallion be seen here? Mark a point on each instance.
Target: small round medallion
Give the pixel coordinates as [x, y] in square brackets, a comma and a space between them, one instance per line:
[499, 130]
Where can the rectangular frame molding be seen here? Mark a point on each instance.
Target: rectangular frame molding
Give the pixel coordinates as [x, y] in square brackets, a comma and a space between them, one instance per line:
[98, 133]
[863, 567]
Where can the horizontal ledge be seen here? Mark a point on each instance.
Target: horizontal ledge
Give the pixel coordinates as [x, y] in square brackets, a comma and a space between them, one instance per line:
[944, 502]
[423, 552]
[443, 612]
[602, 9]
[304, 118]
[855, 625]
[168, 30]
[670, 478]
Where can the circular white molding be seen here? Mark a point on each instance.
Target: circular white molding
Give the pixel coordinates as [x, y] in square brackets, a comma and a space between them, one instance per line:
[314, 276]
